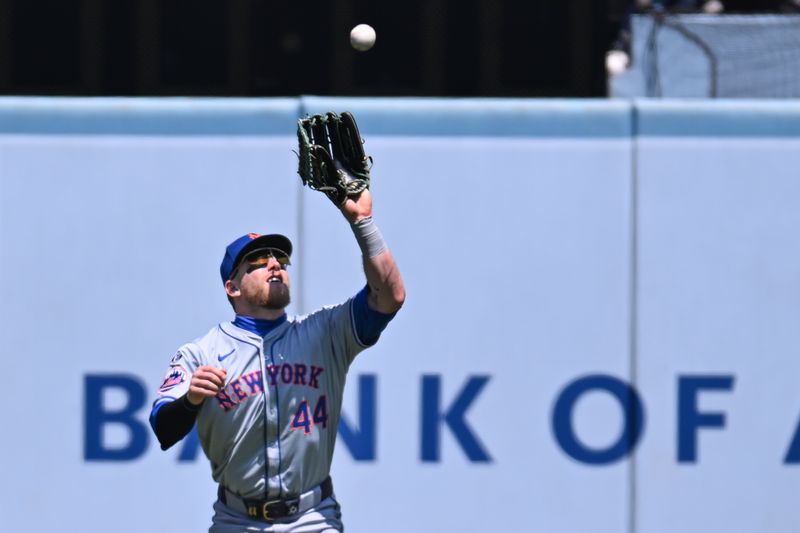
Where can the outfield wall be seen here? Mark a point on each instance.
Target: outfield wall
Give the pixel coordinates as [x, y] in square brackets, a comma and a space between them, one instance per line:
[600, 332]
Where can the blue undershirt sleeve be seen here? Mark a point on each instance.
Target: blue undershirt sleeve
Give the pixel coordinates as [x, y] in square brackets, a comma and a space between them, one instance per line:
[368, 322]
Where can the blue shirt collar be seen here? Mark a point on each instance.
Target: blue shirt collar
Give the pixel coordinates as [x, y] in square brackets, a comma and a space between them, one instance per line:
[259, 326]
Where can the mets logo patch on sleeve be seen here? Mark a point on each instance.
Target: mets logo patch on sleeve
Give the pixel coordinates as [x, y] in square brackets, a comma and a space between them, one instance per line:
[175, 376]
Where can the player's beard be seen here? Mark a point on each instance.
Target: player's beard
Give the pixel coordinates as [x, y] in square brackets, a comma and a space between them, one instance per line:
[277, 296]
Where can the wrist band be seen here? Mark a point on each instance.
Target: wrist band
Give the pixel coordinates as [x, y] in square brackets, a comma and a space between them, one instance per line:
[369, 237]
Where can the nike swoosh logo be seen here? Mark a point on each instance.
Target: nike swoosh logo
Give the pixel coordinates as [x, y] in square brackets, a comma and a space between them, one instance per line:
[223, 357]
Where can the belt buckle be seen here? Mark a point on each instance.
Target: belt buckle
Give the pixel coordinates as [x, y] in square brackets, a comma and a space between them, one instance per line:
[265, 510]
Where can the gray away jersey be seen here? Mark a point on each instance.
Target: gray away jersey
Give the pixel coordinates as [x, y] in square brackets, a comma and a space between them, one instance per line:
[270, 432]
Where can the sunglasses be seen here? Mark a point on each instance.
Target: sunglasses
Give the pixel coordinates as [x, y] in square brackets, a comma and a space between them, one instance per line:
[260, 259]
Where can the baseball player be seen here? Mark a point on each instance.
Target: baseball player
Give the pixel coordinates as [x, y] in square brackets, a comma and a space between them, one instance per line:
[265, 390]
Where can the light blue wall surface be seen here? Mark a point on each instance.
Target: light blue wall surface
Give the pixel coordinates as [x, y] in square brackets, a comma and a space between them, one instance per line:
[718, 286]
[543, 242]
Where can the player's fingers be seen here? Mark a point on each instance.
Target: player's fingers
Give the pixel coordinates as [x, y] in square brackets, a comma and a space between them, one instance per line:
[207, 384]
[205, 390]
[202, 392]
[221, 372]
[216, 375]
[213, 378]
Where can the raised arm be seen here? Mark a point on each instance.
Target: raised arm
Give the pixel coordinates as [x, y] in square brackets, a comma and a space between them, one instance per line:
[387, 292]
[331, 159]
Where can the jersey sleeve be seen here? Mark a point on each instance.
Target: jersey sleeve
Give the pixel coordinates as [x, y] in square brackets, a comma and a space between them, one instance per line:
[344, 333]
[368, 323]
[179, 373]
[176, 379]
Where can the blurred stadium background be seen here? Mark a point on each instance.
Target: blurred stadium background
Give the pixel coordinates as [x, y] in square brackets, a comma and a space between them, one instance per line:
[594, 204]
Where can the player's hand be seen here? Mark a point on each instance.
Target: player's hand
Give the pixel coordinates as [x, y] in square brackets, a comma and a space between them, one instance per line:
[357, 207]
[206, 383]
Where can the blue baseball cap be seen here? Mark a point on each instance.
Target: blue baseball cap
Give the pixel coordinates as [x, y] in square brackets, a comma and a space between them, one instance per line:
[249, 243]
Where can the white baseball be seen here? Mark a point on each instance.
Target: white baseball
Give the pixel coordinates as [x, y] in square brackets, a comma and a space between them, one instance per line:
[362, 37]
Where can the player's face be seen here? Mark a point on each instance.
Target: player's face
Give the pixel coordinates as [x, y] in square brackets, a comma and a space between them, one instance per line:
[263, 280]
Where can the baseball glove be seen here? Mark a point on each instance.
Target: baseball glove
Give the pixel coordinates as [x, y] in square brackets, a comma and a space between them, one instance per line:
[331, 155]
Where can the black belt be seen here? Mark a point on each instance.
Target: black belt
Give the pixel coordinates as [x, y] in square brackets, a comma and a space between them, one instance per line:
[271, 510]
